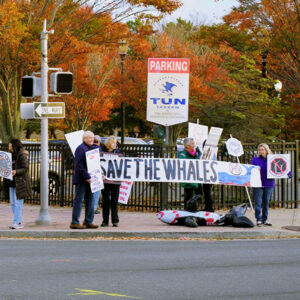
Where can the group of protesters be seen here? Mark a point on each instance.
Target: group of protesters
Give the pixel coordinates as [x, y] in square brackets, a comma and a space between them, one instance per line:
[20, 187]
[82, 180]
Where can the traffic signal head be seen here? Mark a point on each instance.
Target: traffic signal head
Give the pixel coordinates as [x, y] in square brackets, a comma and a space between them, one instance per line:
[61, 82]
[31, 87]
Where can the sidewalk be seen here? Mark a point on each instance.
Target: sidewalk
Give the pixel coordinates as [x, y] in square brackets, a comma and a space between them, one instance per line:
[143, 225]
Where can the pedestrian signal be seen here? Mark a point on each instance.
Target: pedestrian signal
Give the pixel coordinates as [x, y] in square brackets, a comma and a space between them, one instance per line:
[31, 87]
[61, 82]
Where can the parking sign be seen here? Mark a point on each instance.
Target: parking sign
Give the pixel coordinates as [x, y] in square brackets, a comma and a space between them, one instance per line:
[168, 90]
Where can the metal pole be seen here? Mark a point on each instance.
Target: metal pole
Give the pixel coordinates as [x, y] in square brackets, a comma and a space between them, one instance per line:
[44, 217]
[247, 192]
[123, 103]
[167, 135]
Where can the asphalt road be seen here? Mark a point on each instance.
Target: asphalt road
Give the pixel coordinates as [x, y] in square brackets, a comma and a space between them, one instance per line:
[35, 269]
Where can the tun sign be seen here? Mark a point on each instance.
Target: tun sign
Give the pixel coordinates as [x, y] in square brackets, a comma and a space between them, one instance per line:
[168, 90]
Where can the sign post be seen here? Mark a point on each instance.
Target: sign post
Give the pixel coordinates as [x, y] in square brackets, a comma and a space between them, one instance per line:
[44, 217]
[235, 148]
[168, 96]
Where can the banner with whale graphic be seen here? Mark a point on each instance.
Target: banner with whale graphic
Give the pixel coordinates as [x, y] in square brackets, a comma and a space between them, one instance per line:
[180, 170]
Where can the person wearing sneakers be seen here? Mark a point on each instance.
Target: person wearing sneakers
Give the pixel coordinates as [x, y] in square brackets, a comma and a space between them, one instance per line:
[20, 186]
[82, 180]
[262, 195]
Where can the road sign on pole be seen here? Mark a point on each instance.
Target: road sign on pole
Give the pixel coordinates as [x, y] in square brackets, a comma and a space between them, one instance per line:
[51, 110]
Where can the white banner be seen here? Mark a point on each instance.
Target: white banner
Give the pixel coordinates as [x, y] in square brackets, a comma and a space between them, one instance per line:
[168, 90]
[279, 165]
[198, 133]
[5, 165]
[180, 170]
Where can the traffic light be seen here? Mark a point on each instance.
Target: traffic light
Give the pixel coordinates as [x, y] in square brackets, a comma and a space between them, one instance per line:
[61, 82]
[31, 87]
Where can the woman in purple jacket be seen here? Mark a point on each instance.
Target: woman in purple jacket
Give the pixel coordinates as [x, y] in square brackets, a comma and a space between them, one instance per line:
[262, 195]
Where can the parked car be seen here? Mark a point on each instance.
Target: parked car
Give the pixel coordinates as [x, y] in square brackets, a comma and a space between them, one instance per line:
[54, 164]
[127, 140]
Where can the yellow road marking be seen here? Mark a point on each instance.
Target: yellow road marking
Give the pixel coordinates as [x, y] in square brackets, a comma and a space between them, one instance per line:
[92, 292]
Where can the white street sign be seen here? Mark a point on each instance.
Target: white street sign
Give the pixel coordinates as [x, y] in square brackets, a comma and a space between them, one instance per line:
[51, 110]
[168, 90]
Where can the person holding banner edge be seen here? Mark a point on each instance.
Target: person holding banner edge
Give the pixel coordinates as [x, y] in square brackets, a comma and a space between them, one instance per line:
[81, 180]
[189, 152]
[110, 193]
[262, 195]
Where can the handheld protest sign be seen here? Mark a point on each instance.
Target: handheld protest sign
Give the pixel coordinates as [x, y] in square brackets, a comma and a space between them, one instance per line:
[234, 147]
[278, 165]
[198, 133]
[5, 165]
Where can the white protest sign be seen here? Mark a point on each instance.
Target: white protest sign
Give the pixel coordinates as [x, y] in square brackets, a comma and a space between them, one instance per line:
[234, 147]
[210, 150]
[5, 165]
[74, 139]
[180, 170]
[125, 189]
[168, 90]
[278, 165]
[198, 133]
[93, 167]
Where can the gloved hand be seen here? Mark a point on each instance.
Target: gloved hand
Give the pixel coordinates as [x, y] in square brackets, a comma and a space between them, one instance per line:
[289, 174]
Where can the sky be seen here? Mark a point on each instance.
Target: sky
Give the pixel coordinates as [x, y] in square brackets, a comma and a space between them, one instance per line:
[202, 11]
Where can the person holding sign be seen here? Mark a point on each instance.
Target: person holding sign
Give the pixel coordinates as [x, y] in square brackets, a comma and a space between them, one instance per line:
[262, 195]
[20, 186]
[110, 193]
[82, 180]
[189, 152]
[96, 195]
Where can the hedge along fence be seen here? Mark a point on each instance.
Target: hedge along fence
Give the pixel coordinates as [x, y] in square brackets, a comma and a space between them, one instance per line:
[149, 196]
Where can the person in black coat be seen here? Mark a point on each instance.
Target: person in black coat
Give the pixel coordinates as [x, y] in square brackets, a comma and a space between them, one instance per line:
[110, 193]
[20, 186]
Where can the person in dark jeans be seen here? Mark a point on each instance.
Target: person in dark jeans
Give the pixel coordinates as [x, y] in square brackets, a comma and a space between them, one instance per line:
[262, 195]
[82, 180]
[110, 193]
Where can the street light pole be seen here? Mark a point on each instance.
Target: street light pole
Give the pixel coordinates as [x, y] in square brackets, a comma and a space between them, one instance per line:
[123, 47]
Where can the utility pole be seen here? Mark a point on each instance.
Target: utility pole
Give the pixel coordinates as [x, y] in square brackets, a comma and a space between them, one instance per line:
[44, 217]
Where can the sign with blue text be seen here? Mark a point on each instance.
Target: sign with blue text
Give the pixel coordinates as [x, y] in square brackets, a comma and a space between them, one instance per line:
[116, 168]
[168, 90]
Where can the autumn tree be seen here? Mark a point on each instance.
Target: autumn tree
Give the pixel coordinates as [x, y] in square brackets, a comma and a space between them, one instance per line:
[275, 26]
[78, 25]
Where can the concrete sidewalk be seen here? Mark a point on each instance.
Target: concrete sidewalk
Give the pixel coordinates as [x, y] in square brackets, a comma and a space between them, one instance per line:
[143, 225]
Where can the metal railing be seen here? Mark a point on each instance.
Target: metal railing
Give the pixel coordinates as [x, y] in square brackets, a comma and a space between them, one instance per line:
[149, 196]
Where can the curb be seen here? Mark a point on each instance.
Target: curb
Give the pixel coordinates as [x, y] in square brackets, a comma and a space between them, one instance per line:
[86, 234]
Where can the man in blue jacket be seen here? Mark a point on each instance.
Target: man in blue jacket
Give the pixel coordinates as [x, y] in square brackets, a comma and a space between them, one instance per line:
[82, 181]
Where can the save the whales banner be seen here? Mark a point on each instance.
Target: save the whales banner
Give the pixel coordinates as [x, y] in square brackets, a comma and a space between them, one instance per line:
[180, 170]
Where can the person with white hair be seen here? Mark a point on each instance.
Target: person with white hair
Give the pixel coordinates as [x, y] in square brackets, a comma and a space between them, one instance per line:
[262, 195]
[82, 180]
